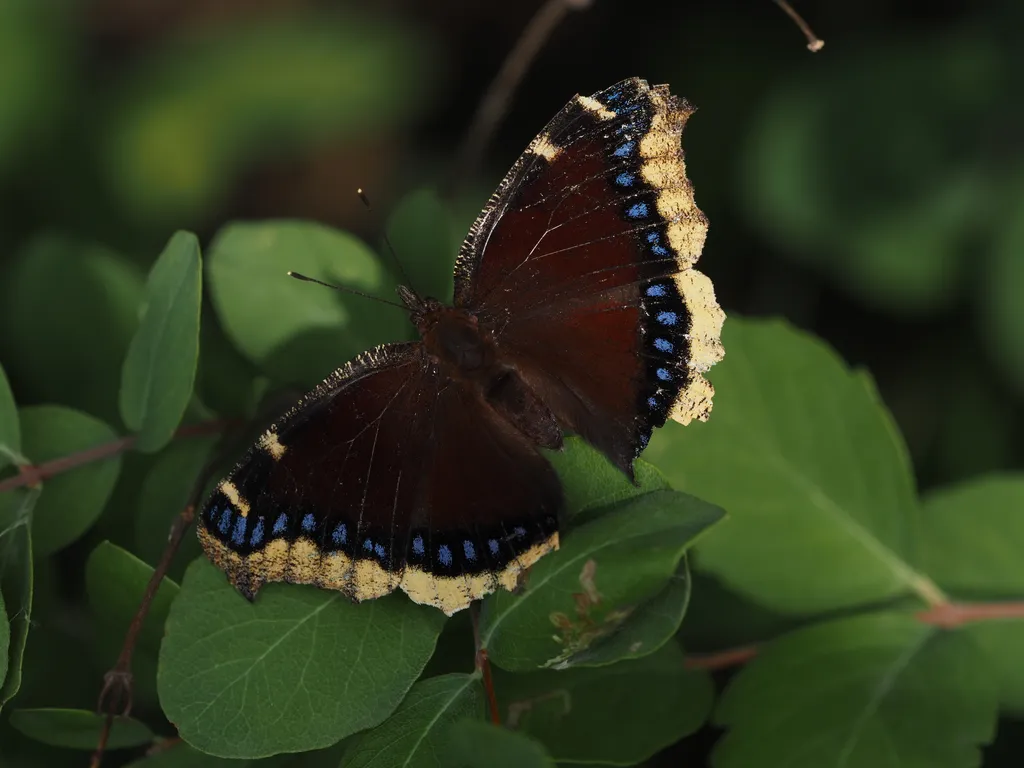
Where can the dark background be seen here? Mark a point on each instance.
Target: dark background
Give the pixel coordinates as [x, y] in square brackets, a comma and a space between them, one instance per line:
[872, 193]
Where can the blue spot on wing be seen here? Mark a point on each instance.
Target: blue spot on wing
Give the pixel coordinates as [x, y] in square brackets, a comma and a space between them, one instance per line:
[238, 534]
[308, 522]
[652, 402]
[368, 545]
[469, 550]
[492, 544]
[638, 211]
[663, 345]
[625, 179]
[280, 524]
[379, 551]
[417, 546]
[519, 531]
[444, 555]
[340, 534]
[664, 374]
[644, 439]
[667, 318]
[658, 250]
[225, 520]
[257, 534]
[624, 149]
[656, 290]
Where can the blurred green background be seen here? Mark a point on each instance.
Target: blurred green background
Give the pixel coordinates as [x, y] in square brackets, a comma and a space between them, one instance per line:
[872, 193]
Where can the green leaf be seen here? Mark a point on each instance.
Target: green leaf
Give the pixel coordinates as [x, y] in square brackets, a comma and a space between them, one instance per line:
[877, 689]
[604, 571]
[425, 240]
[5, 640]
[645, 630]
[972, 546]
[416, 735]
[78, 729]
[815, 477]
[299, 668]
[98, 295]
[115, 581]
[181, 755]
[16, 580]
[616, 715]
[482, 745]
[158, 373]
[315, 329]
[72, 500]
[10, 429]
[590, 482]
[1000, 286]
[163, 496]
[195, 111]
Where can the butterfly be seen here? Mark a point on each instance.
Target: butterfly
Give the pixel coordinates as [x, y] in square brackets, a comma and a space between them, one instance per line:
[418, 465]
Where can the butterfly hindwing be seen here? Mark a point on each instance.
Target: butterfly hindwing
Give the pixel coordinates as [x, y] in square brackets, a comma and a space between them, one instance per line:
[388, 475]
[583, 260]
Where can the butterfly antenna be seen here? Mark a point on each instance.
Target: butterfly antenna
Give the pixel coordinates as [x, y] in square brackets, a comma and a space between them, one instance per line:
[387, 241]
[345, 289]
[814, 43]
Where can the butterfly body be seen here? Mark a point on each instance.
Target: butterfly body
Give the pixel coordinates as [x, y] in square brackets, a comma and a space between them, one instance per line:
[577, 310]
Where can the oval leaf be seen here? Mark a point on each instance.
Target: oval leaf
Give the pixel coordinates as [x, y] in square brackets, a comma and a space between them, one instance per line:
[618, 715]
[314, 329]
[97, 293]
[297, 669]
[972, 544]
[159, 371]
[812, 471]
[10, 429]
[604, 571]
[880, 689]
[416, 735]
[16, 580]
[72, 500]
[78, 729]
[483, 745]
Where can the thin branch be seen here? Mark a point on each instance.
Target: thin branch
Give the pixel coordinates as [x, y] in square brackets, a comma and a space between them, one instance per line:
[116, 696]
[711, 662]
[494, 105]
[34, 476]
[814, 43]
[952, 615]
[483, 663]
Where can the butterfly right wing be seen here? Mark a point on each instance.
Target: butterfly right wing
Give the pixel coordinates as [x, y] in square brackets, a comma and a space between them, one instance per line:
[388, 475]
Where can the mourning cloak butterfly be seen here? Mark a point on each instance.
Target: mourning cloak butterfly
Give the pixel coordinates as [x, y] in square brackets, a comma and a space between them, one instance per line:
[577, 309]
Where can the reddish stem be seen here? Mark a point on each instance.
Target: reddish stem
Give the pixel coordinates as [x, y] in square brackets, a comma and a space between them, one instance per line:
[952, 615]
[483, 663]
[721, 659]
[34, 475]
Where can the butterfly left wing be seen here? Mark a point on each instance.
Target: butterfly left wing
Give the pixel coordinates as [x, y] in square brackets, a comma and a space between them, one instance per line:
[582, 266]
[388, 476]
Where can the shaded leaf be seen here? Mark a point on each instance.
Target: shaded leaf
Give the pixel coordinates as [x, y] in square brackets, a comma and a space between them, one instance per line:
[98, 293]
[181, 755]
[604, 571]
[971, 544]
[5, 640]
[645, 630]
[159, 370]
[416, 735]
[115, 581]
[72, 500]
[1001, 288]
[877, 689]
[426, 242]
[78, 728]
[616, 715]
[590, 482]
[813, 473]
[315, 330]
[297, 669]
[16, 580]
[163, 496]
[476, 744]
[10, 429]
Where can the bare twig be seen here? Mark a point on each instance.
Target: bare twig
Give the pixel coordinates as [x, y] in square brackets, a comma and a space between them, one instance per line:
[494, 105]
[721, 659]
[33, 476]
[483, 664]
[814, 43]
[952, 615]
